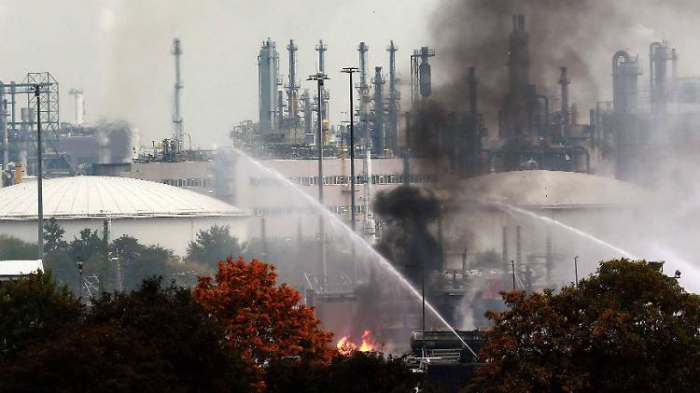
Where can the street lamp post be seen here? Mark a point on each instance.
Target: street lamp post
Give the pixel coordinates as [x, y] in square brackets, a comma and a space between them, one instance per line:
[350, 71]
[319, 78]
[80, 263]
[576, 270]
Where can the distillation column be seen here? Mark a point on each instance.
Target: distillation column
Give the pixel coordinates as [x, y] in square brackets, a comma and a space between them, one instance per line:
[178, 131]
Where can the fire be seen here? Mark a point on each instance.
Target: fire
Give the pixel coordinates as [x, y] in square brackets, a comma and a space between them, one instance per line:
[346, 347]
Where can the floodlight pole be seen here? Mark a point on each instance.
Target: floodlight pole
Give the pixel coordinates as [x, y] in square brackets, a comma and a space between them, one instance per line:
[40, 199]
[319, 78]
[350, 71]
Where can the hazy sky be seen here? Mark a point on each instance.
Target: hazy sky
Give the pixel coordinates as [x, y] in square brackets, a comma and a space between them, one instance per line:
[118, 52]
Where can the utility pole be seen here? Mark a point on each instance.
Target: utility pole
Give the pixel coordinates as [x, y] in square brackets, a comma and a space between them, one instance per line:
[319, 78]
[40, 199]
[576, 270]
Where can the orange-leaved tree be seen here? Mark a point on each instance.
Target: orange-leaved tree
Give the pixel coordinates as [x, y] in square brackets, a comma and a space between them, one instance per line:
[262, 320]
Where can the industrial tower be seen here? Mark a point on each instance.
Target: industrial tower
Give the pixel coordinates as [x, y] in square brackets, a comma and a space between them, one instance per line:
[392, 126]
[178, 131]
[293, 86]
[363, 90]
[268, 77]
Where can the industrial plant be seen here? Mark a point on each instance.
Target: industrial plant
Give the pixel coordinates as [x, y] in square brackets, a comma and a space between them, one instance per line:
[413, 192]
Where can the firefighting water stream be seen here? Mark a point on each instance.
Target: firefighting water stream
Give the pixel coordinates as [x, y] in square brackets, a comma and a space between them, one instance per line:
[335, 223]
[568, 228]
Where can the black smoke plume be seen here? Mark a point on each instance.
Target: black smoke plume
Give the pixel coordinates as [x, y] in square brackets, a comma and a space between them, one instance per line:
[407, 214]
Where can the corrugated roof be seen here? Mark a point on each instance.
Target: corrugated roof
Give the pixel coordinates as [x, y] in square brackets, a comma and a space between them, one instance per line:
[97, 196]
[20, 268]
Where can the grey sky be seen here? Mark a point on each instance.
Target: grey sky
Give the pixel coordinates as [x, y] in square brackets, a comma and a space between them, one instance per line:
[118, 51]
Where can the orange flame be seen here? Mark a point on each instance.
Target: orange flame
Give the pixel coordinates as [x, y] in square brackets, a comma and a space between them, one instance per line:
[346, 347]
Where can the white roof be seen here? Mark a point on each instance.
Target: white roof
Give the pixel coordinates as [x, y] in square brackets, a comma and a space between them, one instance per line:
[552, 189]
[98, 197]
[20, 268]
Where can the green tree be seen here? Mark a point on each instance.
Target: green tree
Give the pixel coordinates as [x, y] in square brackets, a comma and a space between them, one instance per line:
[627, 328]
[53, 236]
[63, 268]
[89, 244]
[214, 245]
[151, 261]
[31, 309]
[12, 248]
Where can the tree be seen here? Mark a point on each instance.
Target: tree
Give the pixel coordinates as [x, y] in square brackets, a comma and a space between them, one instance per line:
[627, 328]
[214, 245]
[358, 373]
[31, 309]
[263, 321]
[53, 236]
[152, 339]
[88, 245]
[12, 248]
[173, 325]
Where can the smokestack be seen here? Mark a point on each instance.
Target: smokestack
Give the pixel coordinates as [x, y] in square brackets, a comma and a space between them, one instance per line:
[293, 87]
[79, 100]
[177, 117]
[519, 57]
[364, 91]
[564, 81]
[393, 110]
[471, 87]
[378, 129]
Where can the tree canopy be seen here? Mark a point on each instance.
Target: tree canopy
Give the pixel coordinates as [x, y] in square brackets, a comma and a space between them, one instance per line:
[152, 339]
[33, 308]
[626, 328]
[262, 320]
[214, 245]
[360, 372]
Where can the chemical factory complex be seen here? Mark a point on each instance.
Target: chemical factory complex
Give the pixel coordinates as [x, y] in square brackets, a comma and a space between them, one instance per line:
[537, 152]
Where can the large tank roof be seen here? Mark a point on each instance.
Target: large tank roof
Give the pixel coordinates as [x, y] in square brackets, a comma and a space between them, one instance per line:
[116, 197]
[552, 189]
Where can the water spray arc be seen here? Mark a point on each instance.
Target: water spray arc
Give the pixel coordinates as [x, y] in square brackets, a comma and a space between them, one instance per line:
[559, 224]
[357, 239]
